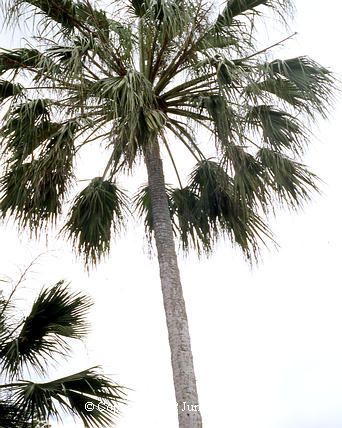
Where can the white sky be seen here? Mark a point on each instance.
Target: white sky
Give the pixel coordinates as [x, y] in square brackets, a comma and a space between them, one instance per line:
[266, 342]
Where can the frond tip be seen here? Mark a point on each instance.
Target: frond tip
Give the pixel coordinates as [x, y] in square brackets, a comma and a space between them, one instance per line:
[97, 211]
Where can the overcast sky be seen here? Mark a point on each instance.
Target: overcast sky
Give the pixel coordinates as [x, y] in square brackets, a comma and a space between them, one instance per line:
[266, 341]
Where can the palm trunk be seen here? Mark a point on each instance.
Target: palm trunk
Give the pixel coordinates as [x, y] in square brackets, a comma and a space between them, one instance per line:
[177, 324]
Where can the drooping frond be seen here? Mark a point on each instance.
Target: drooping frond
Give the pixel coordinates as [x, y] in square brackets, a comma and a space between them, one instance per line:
[8, 89]
[70, 394]
[69, 14]
[220, 113]
[96, 212]
[209, 207]
[225, 213]
[291, 181]
[190, 221]
[235, 8]
[231, 31]
[19, 58]
[33, 190]
[250, 179]
[280, 130]
[55, 315]
[301, 82]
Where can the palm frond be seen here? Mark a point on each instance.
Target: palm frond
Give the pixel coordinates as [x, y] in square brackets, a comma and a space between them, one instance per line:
[8, 89]
[191, 224]
[71, 394]
[280, 130]
[63, 12]
[221, 114]
[18, 58]
[225, 213]
[56, 314]
[250, 179]
[291, 181]
[34, 190]
[96, 212]
[24, 126]
[314, 83]
[129, 92]
[235, 8]
[209, 207]
[69, 14]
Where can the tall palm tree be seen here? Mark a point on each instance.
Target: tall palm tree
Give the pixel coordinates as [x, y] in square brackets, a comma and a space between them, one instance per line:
[144, 76]
[31, 343]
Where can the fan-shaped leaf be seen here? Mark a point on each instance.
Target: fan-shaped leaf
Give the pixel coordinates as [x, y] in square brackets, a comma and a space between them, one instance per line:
[34, 191]
[291, 180]
[56, 314]
[96, 212]
[280, 129]
[71, 393]
[226, 213]
[313, 82]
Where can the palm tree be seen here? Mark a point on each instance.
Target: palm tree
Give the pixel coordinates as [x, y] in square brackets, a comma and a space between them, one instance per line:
[144, 76]
[30, 343]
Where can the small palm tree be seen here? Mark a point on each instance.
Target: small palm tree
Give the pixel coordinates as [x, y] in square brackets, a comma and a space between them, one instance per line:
[144, 76]
[27, 344]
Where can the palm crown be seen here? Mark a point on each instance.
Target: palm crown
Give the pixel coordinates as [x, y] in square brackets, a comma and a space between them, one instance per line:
[149, 70]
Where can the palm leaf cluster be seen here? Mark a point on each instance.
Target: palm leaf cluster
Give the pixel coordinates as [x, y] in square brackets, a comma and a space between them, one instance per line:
[56, 316]
[157, 72]
[96, 211]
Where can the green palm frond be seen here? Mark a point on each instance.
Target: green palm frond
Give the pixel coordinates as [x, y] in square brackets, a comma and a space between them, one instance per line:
[18, 58]
[225, 213]
[34, 190]
[23, 127]
[191, 224]
[220, 112]
[71, 394]
[291, 181]
[64, 13]
[250, 178]
[212, 206]
[69, 14]
[311, 84]
[280, 130]
[56, 314]
[8, 89]
[96, 212]
[235, 8]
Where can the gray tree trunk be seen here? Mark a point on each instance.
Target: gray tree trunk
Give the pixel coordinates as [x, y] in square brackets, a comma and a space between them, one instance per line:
[176, 319]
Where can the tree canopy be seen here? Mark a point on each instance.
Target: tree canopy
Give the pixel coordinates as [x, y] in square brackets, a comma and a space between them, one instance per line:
[138, 70]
